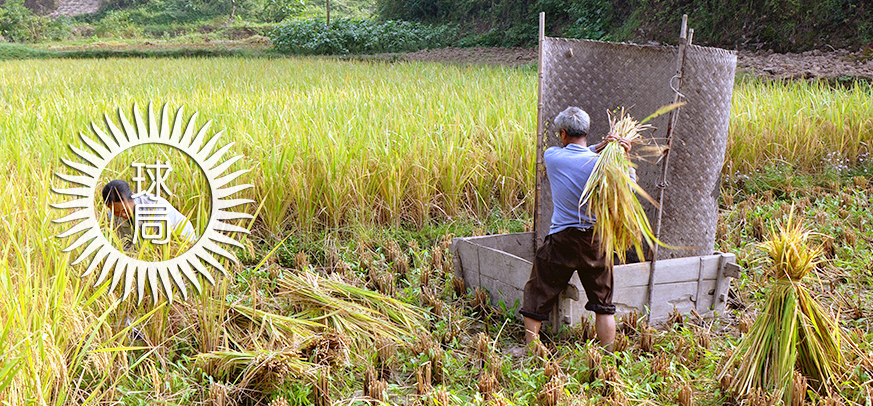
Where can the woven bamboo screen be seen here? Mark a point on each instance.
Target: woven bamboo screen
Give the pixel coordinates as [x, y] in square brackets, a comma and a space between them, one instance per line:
[600, 76]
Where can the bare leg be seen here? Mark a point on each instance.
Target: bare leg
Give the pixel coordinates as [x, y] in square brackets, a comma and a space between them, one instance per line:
[605, 326]
[532, 330]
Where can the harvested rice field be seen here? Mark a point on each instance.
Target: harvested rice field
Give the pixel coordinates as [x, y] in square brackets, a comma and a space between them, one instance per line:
[344, 294]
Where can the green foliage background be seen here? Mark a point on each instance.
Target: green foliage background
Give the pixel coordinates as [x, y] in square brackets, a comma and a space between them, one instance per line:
[20, 24]
[784, 25]
[781, 25]
[145, 12]
[344, 36]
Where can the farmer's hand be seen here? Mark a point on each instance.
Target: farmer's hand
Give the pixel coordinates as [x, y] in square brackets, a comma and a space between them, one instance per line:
[625, 143]
[602, 144]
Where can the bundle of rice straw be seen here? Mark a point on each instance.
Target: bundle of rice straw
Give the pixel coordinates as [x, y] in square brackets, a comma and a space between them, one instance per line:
[609, 193]
[793, 331]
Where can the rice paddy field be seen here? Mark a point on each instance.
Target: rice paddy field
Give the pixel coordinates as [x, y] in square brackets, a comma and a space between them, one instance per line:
[362, 172]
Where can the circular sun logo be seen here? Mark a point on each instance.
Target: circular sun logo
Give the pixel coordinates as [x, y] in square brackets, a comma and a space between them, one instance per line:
[135, 273]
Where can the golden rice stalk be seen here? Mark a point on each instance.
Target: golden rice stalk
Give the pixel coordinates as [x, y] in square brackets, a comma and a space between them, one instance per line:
[290, 331]
[331, 349]
[360, 314]
[686, 395]
[487, 385]
[322, 388]
[258, 369]
[552, 393]
[647, 339]
[793, 332]
[369, 378]
[379, 390]
[610, 195]
[660, 366]
[440, 397]
[792, 256]
[552, 369]
[459, 286]
[620, 343]
[423, 379]
[594, 359]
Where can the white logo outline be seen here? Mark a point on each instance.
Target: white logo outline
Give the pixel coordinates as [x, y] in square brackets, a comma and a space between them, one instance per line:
[176, 270]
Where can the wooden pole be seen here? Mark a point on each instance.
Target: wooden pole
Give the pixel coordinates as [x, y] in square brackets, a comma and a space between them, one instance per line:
[328, 13]
[540, 136]
[555, 315]
[684, 40]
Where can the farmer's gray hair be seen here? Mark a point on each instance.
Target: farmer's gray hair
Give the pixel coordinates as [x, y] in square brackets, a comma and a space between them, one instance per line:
[574, 121]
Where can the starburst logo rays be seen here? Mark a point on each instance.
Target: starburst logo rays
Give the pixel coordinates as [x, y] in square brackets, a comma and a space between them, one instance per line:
[135, 273]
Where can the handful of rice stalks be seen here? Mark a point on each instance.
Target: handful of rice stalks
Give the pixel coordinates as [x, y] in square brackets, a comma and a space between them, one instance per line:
[620, 220]
[793, 331]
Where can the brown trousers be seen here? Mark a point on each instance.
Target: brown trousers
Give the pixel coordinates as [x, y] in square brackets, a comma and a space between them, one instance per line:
[560, 255]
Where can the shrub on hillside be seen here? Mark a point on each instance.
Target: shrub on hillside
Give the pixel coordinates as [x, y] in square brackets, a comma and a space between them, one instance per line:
[174, 12]
[349, 36]
[275, 11]
[20, 24]
[162, 12]
[117, 24]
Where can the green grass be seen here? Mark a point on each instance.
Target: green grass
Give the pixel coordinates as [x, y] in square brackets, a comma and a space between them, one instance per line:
[355, 162]
[136, 50]
[19, 51]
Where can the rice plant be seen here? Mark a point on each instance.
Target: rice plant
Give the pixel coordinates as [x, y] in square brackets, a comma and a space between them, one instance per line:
[806, 126]
[793, 331]
[336, 148]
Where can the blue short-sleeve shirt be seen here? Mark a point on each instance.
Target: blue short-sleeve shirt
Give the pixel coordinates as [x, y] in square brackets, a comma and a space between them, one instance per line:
[568, 170]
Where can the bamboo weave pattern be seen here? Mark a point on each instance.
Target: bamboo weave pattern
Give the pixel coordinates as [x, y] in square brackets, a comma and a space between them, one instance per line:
[599, 76]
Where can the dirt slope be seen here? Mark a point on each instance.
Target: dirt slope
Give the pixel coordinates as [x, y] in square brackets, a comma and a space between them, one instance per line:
[814, 64]
[76, 7]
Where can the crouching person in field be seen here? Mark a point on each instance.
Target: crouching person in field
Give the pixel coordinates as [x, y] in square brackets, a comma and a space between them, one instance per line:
[134, 218]
[570, 245]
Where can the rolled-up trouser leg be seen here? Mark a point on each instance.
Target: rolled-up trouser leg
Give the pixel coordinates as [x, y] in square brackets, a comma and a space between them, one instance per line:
[598, 287]
[546, 282]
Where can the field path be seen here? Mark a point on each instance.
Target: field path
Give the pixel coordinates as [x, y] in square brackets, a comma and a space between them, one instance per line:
[807, 65]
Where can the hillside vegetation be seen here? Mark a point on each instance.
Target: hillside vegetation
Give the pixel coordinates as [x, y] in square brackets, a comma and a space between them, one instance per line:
[783, 25]
[780, 25]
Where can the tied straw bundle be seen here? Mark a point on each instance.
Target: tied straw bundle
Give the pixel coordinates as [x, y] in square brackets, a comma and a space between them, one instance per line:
[793, 332]
[611, 194]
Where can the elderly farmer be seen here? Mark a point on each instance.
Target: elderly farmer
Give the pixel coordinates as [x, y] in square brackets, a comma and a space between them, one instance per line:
[119, 198]
[570, 245]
